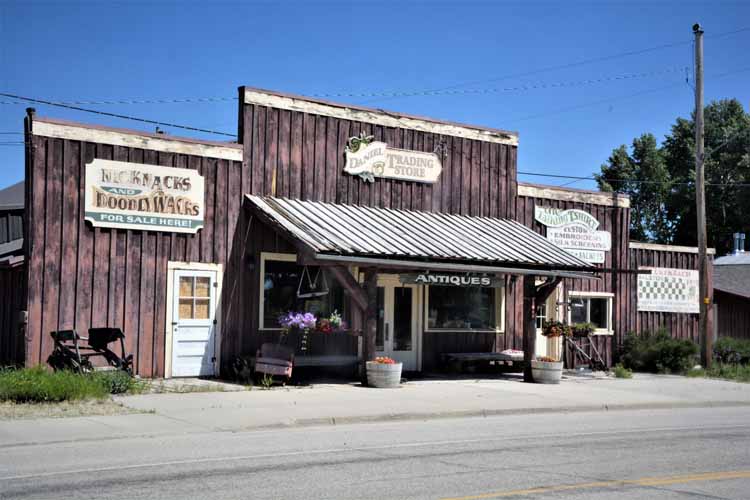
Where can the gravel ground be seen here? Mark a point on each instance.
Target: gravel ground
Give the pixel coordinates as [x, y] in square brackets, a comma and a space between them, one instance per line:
[11, 411]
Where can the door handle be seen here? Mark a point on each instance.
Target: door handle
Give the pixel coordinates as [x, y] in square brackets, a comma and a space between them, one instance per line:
[387, 337]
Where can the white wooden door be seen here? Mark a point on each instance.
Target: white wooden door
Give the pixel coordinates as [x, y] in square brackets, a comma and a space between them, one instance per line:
[396, 334]
[194, 323]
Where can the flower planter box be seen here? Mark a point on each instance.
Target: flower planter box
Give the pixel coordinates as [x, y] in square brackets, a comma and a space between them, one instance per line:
[546, 372]
[383, 375]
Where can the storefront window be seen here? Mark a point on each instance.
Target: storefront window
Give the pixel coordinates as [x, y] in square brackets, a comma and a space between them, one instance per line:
[457, 308]
[593, 310]
[281, 280]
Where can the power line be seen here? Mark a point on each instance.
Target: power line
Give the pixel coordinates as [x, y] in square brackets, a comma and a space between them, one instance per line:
[583, 62]
[115, 115]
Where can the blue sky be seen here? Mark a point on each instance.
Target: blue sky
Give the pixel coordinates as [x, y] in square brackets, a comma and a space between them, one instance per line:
[72, 51]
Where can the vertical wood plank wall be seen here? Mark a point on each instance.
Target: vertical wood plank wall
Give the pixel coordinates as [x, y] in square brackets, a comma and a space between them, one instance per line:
[679, 325]
[293, 154]
[12, 287]
[625, 315]
[82, 277]
[733, 315]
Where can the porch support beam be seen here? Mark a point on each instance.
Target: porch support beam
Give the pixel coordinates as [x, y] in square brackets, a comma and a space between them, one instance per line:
[345, 278]
[371, 319]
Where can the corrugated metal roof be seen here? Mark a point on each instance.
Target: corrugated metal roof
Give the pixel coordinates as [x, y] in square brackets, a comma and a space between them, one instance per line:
[351, 230]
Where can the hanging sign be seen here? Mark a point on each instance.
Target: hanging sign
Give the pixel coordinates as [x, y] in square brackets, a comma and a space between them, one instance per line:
[669, 290]
[575, 231]
[143, 197]
[452, 280]
[368, 159]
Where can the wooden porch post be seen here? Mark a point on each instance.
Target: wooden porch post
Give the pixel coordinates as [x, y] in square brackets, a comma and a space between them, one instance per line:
[529, 325]
[371, 319]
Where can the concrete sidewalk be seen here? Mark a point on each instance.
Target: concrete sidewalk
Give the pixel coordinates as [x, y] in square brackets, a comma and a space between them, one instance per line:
[350, 403]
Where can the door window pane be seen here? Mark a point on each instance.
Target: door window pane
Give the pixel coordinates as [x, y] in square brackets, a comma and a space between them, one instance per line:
[457, 308]
[379, 331]
[402, 309]
[201, 309]
[202, 285]
[186, 286]
[186, 308]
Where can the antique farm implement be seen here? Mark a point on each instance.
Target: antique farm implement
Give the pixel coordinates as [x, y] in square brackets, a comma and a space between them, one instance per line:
[73, 352]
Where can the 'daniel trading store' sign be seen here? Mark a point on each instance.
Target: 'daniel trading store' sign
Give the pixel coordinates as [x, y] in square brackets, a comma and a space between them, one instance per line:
[576, 232]
[369, 159]
[145, 197]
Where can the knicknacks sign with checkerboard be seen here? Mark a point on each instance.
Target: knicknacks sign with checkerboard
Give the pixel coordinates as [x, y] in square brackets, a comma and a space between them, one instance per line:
[668, 290]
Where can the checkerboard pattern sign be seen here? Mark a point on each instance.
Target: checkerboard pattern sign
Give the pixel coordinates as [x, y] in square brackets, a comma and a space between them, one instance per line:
[668, 290]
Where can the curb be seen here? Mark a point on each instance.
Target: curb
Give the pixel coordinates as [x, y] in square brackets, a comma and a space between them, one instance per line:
[397, 417]
[484, 413]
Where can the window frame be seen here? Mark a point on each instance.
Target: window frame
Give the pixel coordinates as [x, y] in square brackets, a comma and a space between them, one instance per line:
[266, 256]
[499, 314]
[594, 295]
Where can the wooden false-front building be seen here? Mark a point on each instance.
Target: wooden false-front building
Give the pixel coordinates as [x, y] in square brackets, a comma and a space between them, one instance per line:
[414, 232]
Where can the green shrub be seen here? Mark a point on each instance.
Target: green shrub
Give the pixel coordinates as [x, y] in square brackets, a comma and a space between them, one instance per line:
[736, 372]
[732, 351]
[37, 385]
[622, 372]
[116, 381]
[658, 353]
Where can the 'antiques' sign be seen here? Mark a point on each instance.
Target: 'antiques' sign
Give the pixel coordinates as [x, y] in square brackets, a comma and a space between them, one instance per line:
[369, 159]
[452, 280]
[575, 231]
[145, 197]
[669, 290]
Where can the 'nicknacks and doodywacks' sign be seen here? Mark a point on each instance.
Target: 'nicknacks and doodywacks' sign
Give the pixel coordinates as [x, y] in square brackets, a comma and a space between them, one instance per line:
[144, 197]
[368, 159]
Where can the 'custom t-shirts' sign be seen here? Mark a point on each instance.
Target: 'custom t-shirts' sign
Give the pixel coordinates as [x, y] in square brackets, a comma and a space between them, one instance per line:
[575, 231]
[668, 290]
[143, 197]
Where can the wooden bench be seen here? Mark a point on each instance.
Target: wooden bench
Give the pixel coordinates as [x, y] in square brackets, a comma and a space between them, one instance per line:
[456, 361]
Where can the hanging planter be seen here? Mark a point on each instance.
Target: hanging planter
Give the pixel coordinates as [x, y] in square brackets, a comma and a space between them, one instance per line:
[546, 370]
[384, 373]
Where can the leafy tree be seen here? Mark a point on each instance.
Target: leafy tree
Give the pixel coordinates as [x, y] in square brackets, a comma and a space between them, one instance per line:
[661, 179]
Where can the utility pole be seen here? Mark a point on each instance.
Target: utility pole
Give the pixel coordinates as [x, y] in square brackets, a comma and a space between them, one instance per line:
[700, 195]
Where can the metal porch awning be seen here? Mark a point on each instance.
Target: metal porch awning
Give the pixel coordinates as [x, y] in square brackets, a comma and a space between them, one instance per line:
[382, 237]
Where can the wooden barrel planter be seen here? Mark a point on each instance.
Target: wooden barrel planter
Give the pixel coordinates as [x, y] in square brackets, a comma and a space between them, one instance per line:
[546, 372]
[384, 376]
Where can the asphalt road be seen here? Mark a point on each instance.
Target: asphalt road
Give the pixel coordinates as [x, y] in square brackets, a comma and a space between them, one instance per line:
[687, 453]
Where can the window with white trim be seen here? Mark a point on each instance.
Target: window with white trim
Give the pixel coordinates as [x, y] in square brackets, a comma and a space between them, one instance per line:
[280, 281]
[464, 308]
[591, 308]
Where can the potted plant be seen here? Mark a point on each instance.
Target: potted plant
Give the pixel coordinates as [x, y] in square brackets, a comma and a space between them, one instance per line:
[383, 372]
[581, 330]
[546, 370]
[297, 321]
[554, 331]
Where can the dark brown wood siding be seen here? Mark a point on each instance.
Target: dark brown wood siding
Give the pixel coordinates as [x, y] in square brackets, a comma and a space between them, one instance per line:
[613, 219]
[679, 325]
[292, 154]
[732, 315]
[11, 225]
[82, 277]
[12, 288]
